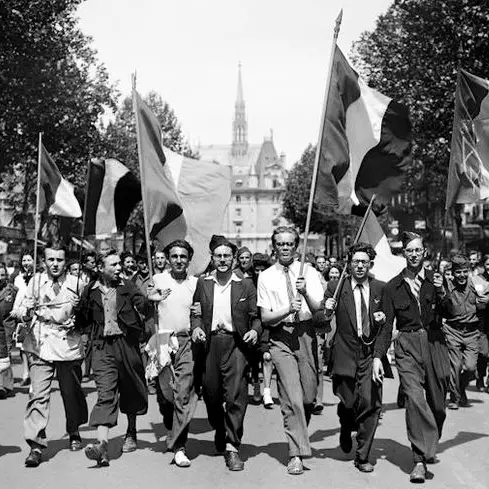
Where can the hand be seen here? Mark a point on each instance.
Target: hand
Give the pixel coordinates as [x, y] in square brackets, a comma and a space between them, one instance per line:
[379, 317]
[377, 371]
[196, 309]
[150, 288]
[198, 335]
[165, 293]
[300, 285]
[295, 306]
[251, 337]
[75, 300]
[438, 280]
[4, 364]
[330, 306]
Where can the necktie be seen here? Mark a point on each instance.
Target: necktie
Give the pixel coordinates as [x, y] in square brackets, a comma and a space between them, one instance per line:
[56, 287]
[416, 288]
[365, 317]
[290, 290]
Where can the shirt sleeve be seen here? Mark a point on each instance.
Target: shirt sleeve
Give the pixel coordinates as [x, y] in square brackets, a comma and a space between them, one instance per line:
[313, 284]
[262, 298]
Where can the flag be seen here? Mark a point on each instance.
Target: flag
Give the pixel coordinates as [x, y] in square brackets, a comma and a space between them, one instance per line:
[386, 265]
[468, 174]
[57, 195]
[112, 194]
[365, 146]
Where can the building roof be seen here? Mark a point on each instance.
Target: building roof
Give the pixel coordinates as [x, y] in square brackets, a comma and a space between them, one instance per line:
[222, 154]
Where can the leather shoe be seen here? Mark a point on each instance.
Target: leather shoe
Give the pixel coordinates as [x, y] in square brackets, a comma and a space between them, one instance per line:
[130, 444]
[75, 443]
[34, 458]
[295, 466]
[318, 408]
[345, 441]
[364, 466]
[453, 405]
[464, 402]
[418, 474]
[98, 452]
[233, 462]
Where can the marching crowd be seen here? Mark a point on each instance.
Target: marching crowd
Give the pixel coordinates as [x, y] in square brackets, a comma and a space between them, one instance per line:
[163, 331]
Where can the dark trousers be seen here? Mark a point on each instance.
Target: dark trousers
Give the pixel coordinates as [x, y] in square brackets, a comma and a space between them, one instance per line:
[176, 395]
[482, 359]
[360, 405]
[69, 376]
[463, 350]
[119, 377]
[224, 381]
[423, 367]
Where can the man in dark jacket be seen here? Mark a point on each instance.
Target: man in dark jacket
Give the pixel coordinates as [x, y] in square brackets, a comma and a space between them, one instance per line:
[112, 310]
[229, 327]
[359, 318]
[413, 298]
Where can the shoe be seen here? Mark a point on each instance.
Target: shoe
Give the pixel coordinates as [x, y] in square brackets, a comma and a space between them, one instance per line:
[233, 462]
[25, 382]
[318, 408]
[75, 443]
[34, 458]
[98, 452]
[345, 441]
[180, 459]
[220, 442]
[464, 402]
[366, 466]
[453, 405]
[130, 444]
[256, 393]
[267, 399]
[295, 466]
[479, 385]
[432, 460]
[3, 393]
[418, 474]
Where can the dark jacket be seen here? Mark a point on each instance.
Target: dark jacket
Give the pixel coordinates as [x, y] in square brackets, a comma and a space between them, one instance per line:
[131, 307]
[399, 303]
[7, 299]
[3, 341]
[244, 311]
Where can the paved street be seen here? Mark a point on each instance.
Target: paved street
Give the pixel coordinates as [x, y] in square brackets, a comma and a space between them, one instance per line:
[463, 453]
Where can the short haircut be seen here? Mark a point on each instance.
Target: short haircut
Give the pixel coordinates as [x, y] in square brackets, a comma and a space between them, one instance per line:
[88, 254]
[408, 236]
[286, 229]
[362, 248]
[26, 253]
[54, 246]
[71, 263]
[180, 243]
[102, 256]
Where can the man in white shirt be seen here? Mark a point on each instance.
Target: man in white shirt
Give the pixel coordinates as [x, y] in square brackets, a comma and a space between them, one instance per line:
[52, 346]
[173, 291]
[293, 342]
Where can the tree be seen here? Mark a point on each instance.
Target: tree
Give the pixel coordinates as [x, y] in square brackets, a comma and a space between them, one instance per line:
[51, 82]
[413, 55]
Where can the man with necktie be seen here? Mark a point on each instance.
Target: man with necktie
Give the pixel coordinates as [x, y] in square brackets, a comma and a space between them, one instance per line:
[414, 299]
[287, 302]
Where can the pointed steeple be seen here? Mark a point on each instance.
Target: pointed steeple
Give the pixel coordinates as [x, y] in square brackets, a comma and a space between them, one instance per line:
[240, 126]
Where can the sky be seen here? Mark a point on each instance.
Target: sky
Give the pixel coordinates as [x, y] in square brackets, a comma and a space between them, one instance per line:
[188, 51]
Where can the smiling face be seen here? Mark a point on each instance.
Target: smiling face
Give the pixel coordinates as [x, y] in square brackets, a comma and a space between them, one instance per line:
[27, 263]
[179, 260]
[461, 276]
[414, 253]
[334, 273]
[129, 264]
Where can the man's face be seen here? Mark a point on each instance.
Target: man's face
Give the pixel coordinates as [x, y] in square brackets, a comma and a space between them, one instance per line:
[461, 275]
[55, 262]
[143, 267]
[473, 260]
[160, 260]
[111, 268]
[129, 264]
[285, 247]
[89, 264]
[427, 264]
[179, 260]
[443, 266]
[104, 247]
[321, 263]
[27, 263]
[222, 258]
[74, 269]
[360, 265]
[448, 274]
[333, 261]
[244, 260]
[414, 253]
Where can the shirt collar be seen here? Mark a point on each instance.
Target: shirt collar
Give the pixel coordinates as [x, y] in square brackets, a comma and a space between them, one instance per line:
[365, 284]
[410, 275]
[213, 276]
[282, 267]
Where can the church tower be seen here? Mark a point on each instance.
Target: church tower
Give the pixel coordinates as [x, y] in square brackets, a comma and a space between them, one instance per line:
[240, 126]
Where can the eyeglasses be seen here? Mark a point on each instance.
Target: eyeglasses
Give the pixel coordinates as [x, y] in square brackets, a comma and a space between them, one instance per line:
[284, 243]
[360, 262]
[223, 257]
[414, 251]
[182, 257]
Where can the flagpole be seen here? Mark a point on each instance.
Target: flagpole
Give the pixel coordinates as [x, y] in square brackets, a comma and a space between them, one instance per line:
[141, 170]
[355, 241]
[80, 254]
[318, 147]
[38, 198]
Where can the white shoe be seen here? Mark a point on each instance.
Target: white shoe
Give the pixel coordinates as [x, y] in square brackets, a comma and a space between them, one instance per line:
[180, 459]
[267, 399]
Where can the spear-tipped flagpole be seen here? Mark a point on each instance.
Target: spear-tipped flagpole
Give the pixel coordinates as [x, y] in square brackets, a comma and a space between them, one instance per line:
[318, 147]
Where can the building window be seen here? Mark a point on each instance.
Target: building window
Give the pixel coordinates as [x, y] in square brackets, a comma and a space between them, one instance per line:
[238, 212]
[238, 199]
[239, 183]
[276, 183]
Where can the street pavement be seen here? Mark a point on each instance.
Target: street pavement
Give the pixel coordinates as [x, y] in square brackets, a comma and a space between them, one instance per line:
[463, 451]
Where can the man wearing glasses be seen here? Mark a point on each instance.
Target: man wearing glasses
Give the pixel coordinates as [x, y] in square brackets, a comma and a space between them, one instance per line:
[287, 302]
[229, 327]
[359, 319]
[413, 298]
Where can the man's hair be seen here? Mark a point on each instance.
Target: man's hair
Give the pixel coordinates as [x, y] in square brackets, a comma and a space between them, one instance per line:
[286, 229]
[71, 263]
[408, 236]
[124, 255]
[180, 243]
[54, 246]
[102, 256]
[158, 251]
[473, 252]
[362, 248]
[88, 254]
[26, 253]
[459, 261]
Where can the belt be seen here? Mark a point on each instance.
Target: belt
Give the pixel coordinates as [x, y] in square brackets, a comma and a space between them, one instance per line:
[217, 332]
[412, 330]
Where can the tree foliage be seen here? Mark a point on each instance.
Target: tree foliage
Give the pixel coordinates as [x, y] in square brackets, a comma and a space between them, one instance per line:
[413, 55]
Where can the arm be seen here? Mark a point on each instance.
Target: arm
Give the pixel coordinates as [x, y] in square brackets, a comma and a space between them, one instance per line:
[269, 317]
[383, 340]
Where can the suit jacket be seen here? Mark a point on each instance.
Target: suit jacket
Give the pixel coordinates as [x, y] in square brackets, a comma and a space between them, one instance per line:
[131, 307]
[244, 311]
[347, 347]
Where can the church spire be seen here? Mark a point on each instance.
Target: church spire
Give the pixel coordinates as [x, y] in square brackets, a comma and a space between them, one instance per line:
[240, 126]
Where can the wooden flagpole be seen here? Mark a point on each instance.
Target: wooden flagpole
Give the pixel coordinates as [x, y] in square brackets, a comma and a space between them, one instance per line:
[38, 200]
[355, 241]
[318, 147]
[135, 107]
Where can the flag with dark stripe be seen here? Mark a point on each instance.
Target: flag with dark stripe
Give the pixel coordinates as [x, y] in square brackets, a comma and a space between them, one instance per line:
[365, 147]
